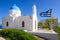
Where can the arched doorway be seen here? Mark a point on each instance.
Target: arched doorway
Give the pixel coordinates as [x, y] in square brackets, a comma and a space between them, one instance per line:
[7, 24]
[23, 24]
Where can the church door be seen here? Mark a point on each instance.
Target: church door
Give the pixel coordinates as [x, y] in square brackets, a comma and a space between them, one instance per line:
[23, 24]
[7, 24]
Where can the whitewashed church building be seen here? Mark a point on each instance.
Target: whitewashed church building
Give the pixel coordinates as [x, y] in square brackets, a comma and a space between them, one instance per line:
[15, 20]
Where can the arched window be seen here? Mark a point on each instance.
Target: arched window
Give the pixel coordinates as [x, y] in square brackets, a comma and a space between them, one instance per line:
[7, 24]
[23, 24]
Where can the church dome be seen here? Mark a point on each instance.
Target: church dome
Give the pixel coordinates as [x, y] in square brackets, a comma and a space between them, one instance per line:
[14, 7]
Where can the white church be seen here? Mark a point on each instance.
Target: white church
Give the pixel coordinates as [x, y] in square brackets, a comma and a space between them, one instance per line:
[15, 20]
[27, 23]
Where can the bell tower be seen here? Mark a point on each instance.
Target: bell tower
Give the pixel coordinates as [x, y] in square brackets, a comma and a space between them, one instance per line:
[34, 10]
[34, 16]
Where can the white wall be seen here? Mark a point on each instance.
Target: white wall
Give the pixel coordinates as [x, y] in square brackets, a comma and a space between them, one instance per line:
[34, 16]
[15, 20]
[8, 19]
[27, 20]
[35, 19]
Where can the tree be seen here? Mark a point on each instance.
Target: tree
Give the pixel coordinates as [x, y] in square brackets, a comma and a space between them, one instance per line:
[48, 23]
[43, 25]
[40, 23]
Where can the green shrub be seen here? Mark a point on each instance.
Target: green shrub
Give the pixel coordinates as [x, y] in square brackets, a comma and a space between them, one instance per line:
[57, 29]
[15, 34]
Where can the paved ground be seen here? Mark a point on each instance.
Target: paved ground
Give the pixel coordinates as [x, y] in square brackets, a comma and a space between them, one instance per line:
[46, 31]
[1, 38]
[48, 34]
[38, 38]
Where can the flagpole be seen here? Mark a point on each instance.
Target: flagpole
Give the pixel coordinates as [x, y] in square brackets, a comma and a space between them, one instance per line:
[45, 14]
[51, 24]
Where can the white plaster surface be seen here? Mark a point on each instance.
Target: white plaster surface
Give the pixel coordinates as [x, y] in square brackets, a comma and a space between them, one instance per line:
[14, 19]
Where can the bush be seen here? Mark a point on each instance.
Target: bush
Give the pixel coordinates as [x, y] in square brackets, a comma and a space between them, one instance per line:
[15, 34]
[57, 29]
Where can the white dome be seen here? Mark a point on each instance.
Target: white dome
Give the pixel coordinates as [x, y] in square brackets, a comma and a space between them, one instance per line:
[14, 10]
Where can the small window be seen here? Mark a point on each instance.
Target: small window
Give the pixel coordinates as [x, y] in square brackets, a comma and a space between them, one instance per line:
[23, 24]
[7, 24]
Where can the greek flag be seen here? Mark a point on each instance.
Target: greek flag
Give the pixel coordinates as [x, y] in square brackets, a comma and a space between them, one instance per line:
[46, 14]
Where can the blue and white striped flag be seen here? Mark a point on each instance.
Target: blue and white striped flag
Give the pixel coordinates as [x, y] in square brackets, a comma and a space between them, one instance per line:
[46, 14]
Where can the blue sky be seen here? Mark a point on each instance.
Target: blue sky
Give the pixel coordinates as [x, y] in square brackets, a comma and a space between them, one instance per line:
[26, 7]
